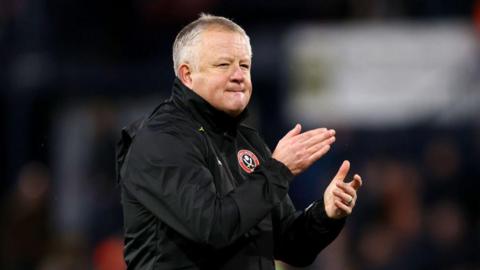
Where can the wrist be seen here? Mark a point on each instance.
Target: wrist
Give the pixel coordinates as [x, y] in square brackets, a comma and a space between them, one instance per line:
[320, 213]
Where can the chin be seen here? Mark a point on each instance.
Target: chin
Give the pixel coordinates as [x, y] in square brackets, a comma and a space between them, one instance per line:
[234, 111]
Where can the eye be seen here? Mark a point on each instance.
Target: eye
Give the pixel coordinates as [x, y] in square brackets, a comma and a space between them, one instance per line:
[222, 65]
[245, 66]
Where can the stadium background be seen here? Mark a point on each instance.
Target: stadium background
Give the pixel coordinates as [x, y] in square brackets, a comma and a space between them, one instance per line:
[398, 80]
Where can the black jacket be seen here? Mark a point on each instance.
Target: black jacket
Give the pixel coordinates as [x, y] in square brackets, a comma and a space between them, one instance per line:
[201, 191]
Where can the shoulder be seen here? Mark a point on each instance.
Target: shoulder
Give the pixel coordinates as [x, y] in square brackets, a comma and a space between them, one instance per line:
[170, 119]
[168, 132]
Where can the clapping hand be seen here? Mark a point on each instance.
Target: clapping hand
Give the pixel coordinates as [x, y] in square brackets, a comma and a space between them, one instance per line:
[340, 196]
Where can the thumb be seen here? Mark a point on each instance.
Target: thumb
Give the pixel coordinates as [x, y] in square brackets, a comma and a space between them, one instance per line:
[343, 171]
[295, 131]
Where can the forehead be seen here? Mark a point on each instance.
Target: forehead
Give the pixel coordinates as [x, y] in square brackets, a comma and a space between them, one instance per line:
[217, 41]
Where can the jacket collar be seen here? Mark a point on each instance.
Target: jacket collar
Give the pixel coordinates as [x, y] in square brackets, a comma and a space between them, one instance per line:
[202, 111]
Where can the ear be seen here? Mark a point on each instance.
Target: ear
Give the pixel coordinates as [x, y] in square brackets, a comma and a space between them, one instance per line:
[185, 75]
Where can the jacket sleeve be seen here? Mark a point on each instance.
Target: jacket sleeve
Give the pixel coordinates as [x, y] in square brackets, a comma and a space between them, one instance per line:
[301, 235]
[168, 174]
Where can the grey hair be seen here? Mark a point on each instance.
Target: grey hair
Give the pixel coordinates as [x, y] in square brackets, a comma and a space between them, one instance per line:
[189, 37]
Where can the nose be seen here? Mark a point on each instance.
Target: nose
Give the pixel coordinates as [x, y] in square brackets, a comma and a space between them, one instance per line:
[238, 75]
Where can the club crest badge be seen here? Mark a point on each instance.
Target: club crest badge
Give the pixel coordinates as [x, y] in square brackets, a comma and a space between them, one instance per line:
[247, 160]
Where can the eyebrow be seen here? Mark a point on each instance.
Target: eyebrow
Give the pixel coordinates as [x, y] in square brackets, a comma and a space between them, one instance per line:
[224, 58]
[230, 59]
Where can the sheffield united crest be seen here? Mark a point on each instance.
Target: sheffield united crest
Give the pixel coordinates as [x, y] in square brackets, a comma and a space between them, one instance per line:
[247, 160]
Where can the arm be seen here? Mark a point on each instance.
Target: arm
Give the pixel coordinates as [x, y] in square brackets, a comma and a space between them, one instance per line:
[167, 174]
[301, 235]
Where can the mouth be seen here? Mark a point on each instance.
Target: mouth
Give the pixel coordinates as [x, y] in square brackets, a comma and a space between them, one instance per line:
[236, 90]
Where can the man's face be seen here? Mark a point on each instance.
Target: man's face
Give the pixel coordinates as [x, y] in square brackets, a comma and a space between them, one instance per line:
[222, 76]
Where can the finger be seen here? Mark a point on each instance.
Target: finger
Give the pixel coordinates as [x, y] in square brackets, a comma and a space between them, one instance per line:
[347, 189]
[357, 182]
[321, 138]
[343, 171]
[344, 208]
[344, 197]
[319, 145]
[318, 154]
[295, 131]
[314, 133]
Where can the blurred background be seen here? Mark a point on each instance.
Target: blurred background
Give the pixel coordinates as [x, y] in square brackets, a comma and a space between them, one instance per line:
[399, 80]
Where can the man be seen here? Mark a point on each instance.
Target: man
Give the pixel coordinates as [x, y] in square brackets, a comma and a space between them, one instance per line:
[201, 190]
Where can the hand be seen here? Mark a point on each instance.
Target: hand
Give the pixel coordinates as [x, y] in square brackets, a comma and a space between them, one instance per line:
[340, 197]
[300, 150]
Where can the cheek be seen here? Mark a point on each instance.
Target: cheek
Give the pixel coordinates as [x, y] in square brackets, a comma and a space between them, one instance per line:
[211, 88]
[250, 89]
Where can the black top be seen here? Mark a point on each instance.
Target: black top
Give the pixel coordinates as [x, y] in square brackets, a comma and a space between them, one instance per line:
[201, 191]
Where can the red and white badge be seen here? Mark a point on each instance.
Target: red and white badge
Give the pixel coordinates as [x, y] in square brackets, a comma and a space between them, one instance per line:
[247, 160]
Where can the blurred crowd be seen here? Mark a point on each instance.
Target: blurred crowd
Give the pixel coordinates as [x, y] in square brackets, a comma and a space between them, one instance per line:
[73, 73]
